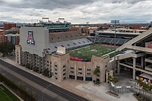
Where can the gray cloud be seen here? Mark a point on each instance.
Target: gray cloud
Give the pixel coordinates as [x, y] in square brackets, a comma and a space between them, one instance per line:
[77, 11]
[47, 4]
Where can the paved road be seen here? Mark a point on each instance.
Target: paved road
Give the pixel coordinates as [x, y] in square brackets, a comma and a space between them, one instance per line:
[62, 93]
[37, 93]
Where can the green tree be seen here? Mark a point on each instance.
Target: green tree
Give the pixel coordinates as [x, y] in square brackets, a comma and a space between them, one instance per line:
[46, 72]
[35, 69]
[6, 48]
[109, 78]
[96, 72]
[27, 66]
[115, 80]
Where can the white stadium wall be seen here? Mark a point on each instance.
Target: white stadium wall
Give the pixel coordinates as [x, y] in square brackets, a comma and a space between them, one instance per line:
[40, 40]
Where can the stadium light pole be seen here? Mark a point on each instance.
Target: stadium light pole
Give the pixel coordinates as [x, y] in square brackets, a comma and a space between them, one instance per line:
[115, 22]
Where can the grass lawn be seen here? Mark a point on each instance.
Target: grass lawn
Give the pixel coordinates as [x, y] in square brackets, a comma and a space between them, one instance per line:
[6, 95]
[88, 51]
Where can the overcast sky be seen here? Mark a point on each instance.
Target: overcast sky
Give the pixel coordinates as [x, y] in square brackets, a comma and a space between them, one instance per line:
[77, 11]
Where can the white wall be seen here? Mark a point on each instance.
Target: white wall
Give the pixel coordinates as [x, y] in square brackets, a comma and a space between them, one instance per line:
[41, 38]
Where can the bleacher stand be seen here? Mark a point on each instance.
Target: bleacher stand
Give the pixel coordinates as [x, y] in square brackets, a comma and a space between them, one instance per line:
[69, 40]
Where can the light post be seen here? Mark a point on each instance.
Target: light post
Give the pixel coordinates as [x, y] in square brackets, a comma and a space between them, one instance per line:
[115, 22]
[45, 89]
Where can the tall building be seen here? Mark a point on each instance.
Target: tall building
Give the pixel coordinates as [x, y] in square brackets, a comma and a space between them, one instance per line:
[8, 26]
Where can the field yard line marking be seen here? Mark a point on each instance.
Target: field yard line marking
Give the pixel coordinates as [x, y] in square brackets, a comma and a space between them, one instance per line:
[6, 95]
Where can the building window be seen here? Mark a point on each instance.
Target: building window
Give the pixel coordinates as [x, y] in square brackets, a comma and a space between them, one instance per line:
[56, 65]
[55, 47]
[74, 43]
[64, 78]
[88, 69]
[79, 72]
[88, 73]
[71, 67]
[79, 68]
[97, 66]
[64, 73]
[64, 66]
[68, 44]
[64, 70]
[71, 71]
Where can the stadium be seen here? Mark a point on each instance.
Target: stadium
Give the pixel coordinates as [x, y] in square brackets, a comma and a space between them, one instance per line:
[68, 53]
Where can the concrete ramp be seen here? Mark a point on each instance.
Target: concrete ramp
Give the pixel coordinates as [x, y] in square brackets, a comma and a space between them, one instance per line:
[125, 56]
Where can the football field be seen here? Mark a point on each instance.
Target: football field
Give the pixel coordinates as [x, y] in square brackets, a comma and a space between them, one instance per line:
[87, 51]
[6, 95]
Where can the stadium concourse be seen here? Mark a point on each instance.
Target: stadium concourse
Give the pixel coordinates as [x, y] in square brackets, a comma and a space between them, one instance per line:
[39, 49]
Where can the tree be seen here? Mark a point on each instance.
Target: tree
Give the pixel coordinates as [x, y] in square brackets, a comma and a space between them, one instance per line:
[35, 69]
[109, 78]
[96, 72]
[115, 80]
[27, 65]
[6, 48]
[46, 72]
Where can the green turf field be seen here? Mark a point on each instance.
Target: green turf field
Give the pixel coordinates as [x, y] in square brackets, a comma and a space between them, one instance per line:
[6, 95]
[88, 51]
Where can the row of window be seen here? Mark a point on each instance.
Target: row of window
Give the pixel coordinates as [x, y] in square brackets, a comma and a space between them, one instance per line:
[80, 73]
[80, 68]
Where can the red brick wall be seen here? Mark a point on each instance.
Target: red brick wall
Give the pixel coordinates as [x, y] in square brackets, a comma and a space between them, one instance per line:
[9, 26]
[3, 38]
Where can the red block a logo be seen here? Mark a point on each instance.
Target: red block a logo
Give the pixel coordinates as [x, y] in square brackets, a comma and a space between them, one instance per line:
[30, 39]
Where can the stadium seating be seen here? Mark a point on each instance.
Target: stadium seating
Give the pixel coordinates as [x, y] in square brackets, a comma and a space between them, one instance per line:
[107, 40]
[69, 44]
[64, 36]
